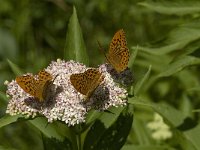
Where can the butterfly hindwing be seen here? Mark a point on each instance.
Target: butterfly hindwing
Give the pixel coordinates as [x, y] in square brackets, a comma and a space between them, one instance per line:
[43, 82]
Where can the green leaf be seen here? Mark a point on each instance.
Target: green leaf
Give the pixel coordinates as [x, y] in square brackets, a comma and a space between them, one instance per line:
[40, 123]
[186, 105]
[164, 110]
[74, 47]
[141, 132]
[54, 144]
[157, 65]
[92, 116]
[140, 83]
[179, 65]
[133, 56]
[99, 137]
[146, 147]
[7, 119]
[165, 49]
[3, 97]
[177, 39]
[109, 118]
[189, 133]
[47, 129]
[193, 136]
[8, 44]
[173, 8]
[14, 68]
[6, 148]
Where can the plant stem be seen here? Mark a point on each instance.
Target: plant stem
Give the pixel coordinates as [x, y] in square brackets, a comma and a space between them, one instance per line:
[79, 141]
[78, 138]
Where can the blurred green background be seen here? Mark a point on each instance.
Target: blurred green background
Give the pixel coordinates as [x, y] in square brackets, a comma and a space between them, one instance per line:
[33, 33]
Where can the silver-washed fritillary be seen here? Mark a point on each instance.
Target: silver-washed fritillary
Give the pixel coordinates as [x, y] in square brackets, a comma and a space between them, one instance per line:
[36, 87]
[118, 53]
[87, 82]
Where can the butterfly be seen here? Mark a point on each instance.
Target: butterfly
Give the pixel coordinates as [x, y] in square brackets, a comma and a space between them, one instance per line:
[118, 53]
[87, 82]
[36, 87]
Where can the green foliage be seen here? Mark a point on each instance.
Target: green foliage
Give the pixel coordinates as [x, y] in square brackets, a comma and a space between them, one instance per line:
[101, 136]
[74, 47]
[162, 36]
[173, 8]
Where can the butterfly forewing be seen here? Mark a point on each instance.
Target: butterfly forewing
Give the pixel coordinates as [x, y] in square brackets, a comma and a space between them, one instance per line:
[27, 83]
[79, 81]
[118, 54]
[119, 39]
[86, 82]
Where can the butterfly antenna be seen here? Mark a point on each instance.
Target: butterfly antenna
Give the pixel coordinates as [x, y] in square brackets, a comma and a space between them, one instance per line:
[55, 78]
[102, 50]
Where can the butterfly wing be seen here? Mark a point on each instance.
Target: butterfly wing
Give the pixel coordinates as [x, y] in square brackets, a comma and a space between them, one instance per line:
[94, 78]
[27, 83]
[42, 84]
[118, 54]
[79, 81]
[86, 82]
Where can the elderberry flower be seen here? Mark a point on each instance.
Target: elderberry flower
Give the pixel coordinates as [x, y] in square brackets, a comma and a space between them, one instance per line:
[63, 102]
[160, 130]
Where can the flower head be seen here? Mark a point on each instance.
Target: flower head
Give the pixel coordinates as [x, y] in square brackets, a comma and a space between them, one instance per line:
[62, 101]
[161, 131]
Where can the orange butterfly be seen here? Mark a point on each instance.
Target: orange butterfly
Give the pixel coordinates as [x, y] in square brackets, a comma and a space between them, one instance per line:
[118, 53]
[37, 88]
[87, 82]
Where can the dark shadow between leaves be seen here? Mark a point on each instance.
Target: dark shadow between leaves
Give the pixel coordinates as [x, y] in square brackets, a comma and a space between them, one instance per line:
[55, 144]
[188, 123]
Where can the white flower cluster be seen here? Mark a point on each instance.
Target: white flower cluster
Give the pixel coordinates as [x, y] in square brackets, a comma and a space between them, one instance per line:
[65, 103]
[160, 130]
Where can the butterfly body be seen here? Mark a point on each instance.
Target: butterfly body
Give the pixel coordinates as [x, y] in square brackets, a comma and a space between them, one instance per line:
[86, 82]
[36, 87]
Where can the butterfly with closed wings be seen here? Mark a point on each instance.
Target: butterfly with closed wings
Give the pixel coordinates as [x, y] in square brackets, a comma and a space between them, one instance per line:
[118, 53]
